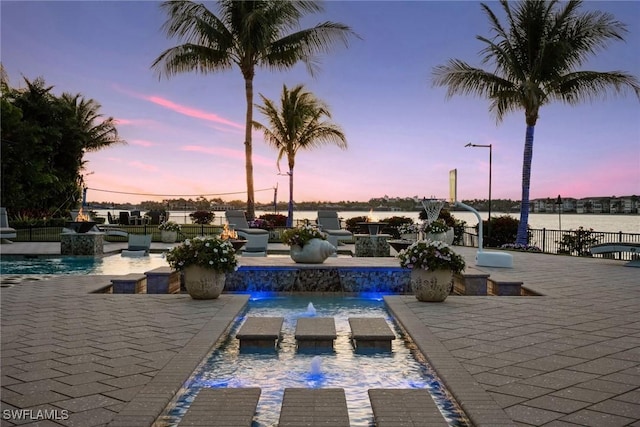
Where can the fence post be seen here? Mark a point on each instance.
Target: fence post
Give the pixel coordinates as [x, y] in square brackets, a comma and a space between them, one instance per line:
[544, 240]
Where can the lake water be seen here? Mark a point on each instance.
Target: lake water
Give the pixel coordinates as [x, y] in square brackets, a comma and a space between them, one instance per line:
[598, 222]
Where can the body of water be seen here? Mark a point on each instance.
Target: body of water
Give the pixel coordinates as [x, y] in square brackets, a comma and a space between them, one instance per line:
[598, 222]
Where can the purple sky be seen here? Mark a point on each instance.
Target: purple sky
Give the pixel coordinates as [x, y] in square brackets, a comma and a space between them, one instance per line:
[185, 134]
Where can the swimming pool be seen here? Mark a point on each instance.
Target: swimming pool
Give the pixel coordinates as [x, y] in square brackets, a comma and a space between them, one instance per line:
[110, 264]
[227, 366]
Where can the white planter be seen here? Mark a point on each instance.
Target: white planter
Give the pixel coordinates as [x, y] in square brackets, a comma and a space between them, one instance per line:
[203, 283]
[441, 237]
[431, 286]
[314, 252]
[168, 236]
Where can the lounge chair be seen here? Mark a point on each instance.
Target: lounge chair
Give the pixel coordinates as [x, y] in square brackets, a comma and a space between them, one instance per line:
[257, 238]
[6, 232]
[329, 224]
[613, 247]
[139, 245]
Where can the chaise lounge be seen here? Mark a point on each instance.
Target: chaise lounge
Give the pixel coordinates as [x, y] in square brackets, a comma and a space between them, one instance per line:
[257, 238]
[329, 224]
[139, 245]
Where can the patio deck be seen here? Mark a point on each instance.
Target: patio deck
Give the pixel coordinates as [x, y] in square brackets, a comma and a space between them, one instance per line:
[568, 357]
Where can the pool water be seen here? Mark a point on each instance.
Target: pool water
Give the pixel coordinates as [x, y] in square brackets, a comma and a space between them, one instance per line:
[110, 264]
[273, 371]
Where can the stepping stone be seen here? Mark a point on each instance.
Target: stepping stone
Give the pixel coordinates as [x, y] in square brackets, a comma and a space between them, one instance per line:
[260, 332]
[405, 408]
[222, 407]
[314, 407]
[371, 333]
[315, 333]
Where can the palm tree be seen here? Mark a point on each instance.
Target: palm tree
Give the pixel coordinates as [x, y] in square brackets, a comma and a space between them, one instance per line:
[246, 34]
[536, 60]
[98, 133]
[298, 123]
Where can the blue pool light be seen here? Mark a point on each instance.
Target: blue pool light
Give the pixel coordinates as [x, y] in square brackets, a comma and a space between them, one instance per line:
[374, 296]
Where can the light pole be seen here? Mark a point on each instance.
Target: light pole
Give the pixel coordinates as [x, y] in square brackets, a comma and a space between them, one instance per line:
[559, 203]
[489, 146]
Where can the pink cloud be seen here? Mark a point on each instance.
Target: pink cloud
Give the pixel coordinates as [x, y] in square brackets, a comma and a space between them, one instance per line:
[142, 143]
[144, 166]
[192, 112]
[226, 152]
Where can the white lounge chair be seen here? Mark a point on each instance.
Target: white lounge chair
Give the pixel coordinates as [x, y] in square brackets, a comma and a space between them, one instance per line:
[257, 238]
[329, 224]
[139, 245]
[6, 232]
[612, 247]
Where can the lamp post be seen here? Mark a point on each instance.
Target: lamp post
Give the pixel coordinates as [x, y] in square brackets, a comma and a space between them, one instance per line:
[490, 147]
[559, 203]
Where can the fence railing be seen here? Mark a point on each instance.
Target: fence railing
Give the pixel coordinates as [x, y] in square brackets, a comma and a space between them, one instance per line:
[568, 242]
[571, 242]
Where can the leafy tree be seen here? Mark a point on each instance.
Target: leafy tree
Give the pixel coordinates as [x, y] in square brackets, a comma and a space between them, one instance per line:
[44, 138]
[297, 123]
[247, 34]
[536, 60]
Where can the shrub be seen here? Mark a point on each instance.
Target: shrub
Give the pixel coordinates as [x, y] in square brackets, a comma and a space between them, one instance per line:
[504, 229]
[277, 220]
[393, 223]
[352, 223]
[202, 217]
[578, 242]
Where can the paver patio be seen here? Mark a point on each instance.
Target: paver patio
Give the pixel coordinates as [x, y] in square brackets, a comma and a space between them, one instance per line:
[569, 357]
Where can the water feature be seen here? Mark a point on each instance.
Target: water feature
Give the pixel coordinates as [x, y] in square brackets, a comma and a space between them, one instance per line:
[403, 367]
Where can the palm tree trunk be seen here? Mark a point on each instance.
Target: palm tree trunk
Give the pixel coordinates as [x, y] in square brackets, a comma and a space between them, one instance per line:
[523, 235]
[248, 149]
[290, 211]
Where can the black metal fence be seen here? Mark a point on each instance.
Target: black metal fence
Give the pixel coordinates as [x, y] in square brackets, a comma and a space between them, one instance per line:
[568, 242]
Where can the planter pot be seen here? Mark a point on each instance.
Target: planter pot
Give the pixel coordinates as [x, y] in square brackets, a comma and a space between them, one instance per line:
[168, 236]
[314, 252]
[442, 237]
[203, 283]
[431, 286]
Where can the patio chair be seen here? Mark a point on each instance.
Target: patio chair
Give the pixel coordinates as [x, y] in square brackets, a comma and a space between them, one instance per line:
[257, 238]
[123, 218]
[139, 245]
[329, 224]
[6, 232]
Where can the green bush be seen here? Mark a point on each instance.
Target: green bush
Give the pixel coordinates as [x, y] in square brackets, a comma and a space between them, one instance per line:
[393, 223]
[504, 230]
[202, 217]
[352, 223]
[578, 242]
[277, 220]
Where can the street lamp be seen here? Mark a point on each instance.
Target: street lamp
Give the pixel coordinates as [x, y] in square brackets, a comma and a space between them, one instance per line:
[489, 146]
[559, 203]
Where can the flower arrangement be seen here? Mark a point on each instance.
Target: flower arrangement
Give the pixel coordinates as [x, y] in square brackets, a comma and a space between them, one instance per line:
[301, 235]
[431, 255]
[408, 228]
[261, 223]
[205, 251]
[435, 227]
[521, 247]
[169, 226]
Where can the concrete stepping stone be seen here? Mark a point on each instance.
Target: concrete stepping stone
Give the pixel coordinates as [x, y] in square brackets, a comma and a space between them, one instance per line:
[405, 408]
[260, 332]
[371, 333]
[315, 333]
[314, 407]
[222, 407]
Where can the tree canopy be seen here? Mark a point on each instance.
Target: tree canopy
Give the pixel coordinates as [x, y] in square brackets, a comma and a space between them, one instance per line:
[44, 138]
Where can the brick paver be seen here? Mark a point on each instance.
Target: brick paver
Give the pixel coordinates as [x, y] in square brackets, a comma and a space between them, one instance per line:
[568, 357]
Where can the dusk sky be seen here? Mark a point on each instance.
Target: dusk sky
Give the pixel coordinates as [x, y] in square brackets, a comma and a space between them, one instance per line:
[185, 134]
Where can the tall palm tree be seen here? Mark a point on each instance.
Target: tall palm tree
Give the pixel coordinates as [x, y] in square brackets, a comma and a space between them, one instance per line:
[536, 61]
[298, 123]
[247, 34]
[98, 133]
